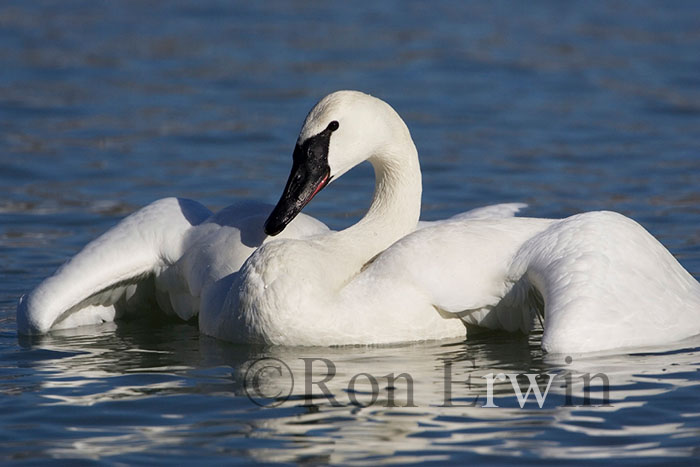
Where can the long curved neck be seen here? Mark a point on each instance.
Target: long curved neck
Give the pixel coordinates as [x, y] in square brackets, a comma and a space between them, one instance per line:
[394, 211]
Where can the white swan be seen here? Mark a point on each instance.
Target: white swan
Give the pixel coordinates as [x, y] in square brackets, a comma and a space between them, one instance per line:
[601, 279]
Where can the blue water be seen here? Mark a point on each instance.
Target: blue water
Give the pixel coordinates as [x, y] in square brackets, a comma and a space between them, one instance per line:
[107, 106]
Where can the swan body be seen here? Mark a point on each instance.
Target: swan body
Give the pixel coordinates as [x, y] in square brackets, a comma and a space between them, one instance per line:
[596, 280]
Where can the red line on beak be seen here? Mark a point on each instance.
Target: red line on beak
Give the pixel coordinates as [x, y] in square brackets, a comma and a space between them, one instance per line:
[319, 187]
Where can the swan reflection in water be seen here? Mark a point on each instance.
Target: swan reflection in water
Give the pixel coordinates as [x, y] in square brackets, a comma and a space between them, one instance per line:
[200, 384]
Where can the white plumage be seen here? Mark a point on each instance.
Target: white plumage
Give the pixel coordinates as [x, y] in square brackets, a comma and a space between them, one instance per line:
[599, 280]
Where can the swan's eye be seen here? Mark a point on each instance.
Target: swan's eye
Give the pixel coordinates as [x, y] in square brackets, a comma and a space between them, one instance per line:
[334, 125]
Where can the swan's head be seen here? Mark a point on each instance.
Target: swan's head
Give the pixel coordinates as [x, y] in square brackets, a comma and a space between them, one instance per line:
[344, 129]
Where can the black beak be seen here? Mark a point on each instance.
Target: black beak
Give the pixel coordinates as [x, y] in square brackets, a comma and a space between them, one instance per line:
[310, 173]
[304, 182]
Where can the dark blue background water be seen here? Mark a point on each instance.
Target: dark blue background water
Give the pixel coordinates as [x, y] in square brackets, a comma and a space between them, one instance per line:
[107, 106]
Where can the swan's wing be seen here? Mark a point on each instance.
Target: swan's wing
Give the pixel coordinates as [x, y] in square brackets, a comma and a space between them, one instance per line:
[458, 267]
[607, 283]
[496, 211]
[84, 289]
[604, 282]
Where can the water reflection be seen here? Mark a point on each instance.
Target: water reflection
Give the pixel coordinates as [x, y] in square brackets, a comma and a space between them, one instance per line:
[165, 387]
